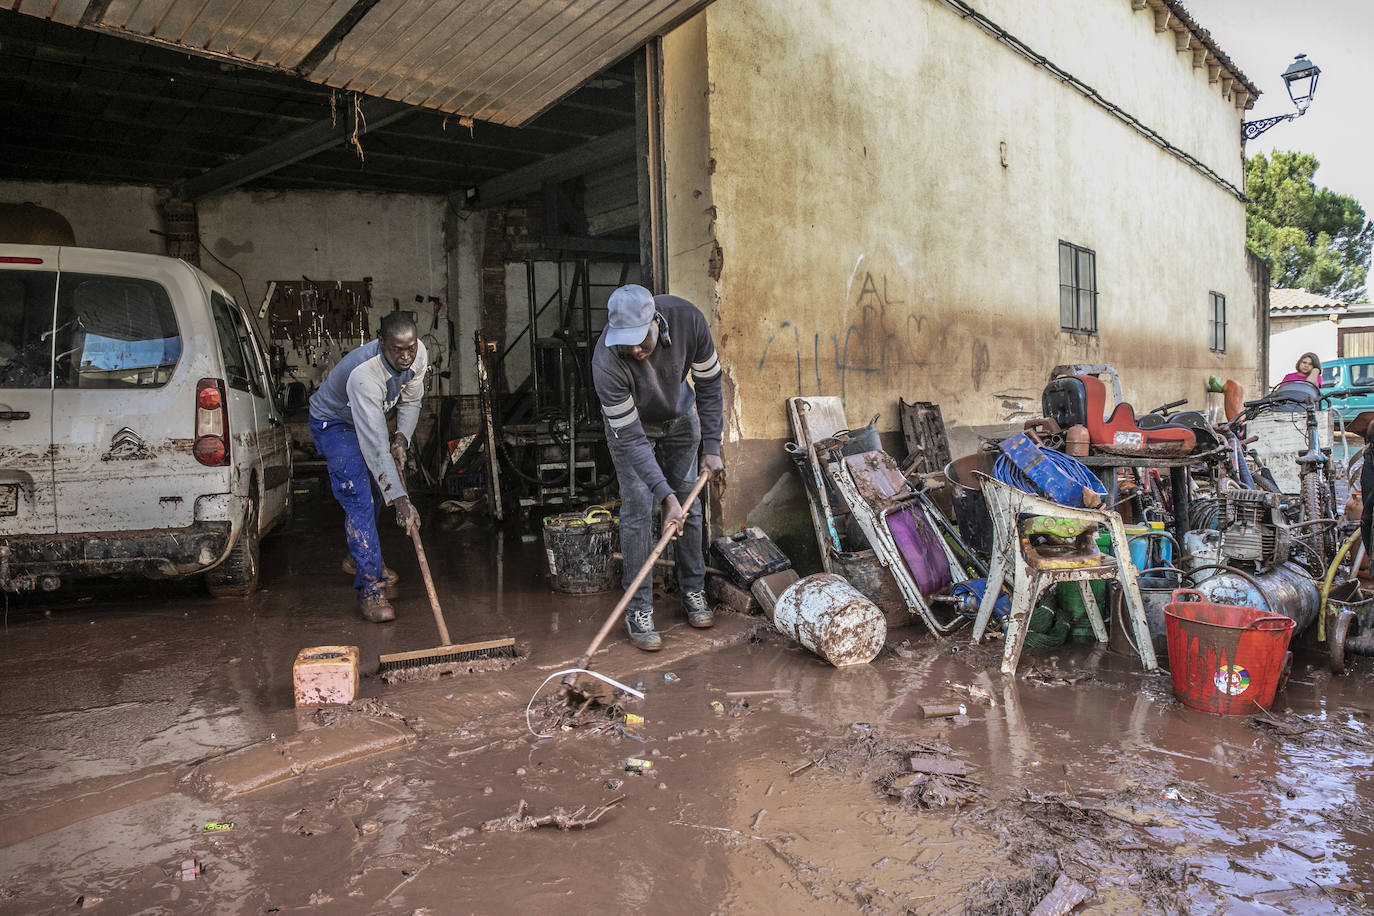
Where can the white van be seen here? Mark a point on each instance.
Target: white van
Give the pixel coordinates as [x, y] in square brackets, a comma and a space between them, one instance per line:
[139, 435]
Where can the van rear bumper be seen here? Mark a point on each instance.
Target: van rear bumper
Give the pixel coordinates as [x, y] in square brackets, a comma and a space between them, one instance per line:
[157, 553]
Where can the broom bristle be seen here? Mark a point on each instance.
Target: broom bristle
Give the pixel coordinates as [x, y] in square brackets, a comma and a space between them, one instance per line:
[448, 655]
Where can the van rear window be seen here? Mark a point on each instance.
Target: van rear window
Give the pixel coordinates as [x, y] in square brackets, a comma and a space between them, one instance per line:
[1361, 374]
[26, 298]
[114, 332]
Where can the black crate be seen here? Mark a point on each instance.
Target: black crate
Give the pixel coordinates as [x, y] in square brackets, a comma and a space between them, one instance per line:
[748, 555]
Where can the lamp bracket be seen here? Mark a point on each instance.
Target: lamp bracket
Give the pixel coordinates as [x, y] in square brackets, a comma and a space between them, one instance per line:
[1252, 129]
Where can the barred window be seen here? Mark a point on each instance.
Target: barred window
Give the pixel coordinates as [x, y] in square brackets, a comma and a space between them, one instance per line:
[1077, 289]
[1216, 323]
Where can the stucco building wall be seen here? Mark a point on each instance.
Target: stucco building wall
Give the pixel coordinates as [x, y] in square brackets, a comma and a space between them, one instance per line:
[399, 240]
[887, 185]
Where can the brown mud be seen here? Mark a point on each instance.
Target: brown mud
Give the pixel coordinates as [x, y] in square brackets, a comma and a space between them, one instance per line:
[760, 779]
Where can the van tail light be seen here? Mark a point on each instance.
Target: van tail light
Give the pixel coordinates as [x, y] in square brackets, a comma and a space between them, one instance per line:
[212, 423]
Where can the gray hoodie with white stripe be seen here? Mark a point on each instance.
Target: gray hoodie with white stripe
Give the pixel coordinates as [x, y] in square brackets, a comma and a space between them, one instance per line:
[655, 390]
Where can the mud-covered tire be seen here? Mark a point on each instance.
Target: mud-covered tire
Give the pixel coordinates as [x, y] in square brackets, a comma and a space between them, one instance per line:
[237, 576]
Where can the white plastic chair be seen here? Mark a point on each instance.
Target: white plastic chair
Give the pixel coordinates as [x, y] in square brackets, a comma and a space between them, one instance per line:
[1030, 572]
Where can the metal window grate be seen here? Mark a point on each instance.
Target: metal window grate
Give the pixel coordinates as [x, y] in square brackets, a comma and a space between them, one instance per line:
[1077, 288]
[1216, 323]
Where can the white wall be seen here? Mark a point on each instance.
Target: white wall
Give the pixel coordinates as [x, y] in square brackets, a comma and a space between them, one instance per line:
[397, 239]
[1290, 338]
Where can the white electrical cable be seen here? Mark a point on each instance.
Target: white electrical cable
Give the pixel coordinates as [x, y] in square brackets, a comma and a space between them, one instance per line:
[600, 677]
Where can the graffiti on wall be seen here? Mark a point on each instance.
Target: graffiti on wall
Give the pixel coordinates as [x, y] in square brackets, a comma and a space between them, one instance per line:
[883, 347]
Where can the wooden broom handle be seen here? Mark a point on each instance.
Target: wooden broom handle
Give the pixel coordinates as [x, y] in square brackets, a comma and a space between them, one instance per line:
[669, 532]
[429, 587]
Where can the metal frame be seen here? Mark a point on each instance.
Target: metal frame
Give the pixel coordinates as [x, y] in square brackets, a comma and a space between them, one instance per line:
[873, 523]
[1078, 287]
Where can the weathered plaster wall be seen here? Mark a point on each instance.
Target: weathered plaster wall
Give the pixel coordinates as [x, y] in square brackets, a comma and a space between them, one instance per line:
[396, 239]
[399, 240]
[102, 216]
[889, 185]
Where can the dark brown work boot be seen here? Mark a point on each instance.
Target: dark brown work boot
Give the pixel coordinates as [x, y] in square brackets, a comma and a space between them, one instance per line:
[376, 609]
[389, 577]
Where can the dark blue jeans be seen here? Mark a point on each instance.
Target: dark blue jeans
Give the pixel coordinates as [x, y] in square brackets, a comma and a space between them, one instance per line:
[356, 490]
[676, 444]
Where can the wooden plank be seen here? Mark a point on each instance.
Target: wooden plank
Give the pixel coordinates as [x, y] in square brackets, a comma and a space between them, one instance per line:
[824, 418]
[939, 766]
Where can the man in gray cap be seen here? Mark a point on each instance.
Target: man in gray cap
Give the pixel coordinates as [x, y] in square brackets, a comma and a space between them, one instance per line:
[662, 435]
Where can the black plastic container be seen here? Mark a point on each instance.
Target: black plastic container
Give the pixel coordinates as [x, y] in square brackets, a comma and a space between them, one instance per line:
[748, 555]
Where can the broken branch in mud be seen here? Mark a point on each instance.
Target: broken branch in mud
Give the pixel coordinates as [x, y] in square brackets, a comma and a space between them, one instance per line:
[1079, 809]
[729, 830]
[558, 817]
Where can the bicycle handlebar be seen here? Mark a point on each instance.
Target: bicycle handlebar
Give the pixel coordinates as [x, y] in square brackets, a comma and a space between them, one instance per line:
[1282, 399]
[1170, 406]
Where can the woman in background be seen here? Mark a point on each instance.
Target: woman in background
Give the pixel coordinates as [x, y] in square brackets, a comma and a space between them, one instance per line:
[1308, 369]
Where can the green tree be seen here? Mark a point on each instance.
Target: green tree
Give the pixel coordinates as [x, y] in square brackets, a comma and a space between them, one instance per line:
[1313, 238]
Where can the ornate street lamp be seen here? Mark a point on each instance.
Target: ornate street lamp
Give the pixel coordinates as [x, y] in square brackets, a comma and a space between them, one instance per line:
[1301, 80]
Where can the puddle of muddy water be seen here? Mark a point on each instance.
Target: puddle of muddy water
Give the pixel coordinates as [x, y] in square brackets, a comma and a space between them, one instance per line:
[1177, 811]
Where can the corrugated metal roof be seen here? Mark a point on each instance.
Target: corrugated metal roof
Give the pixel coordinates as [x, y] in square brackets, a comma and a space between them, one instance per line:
[502, 61]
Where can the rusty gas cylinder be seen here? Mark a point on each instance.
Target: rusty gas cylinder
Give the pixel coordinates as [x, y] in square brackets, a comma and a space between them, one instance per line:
[831, 618]
[1076, 441]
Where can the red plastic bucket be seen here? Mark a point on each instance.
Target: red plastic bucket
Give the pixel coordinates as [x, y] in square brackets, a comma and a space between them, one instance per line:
[1224, 659]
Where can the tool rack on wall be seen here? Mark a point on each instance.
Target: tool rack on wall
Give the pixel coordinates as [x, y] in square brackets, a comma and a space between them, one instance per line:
[320, 319]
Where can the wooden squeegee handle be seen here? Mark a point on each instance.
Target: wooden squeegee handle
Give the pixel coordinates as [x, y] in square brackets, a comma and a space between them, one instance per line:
[429, 587]
[669, 532]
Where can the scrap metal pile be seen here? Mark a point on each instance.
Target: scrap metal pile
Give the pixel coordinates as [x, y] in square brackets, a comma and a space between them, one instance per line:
[1095, 519]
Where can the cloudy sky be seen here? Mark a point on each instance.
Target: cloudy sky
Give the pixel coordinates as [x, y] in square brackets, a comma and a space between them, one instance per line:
[1263, 36]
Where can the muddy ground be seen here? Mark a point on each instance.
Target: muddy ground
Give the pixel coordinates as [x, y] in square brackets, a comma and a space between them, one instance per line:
[133, 717]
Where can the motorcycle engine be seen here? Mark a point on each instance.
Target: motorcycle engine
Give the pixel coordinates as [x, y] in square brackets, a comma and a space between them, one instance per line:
[1252, 527]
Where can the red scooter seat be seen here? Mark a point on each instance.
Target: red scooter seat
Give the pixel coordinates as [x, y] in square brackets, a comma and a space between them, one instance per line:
[1118, 434]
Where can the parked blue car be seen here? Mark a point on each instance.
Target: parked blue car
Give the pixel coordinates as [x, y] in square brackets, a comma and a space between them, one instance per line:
[1349, 372]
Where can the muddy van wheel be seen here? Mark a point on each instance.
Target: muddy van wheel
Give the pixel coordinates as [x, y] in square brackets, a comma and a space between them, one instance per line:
[238, 574]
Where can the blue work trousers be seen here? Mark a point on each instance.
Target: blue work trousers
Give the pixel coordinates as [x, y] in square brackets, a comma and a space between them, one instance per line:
[356, 490]
[676, 444]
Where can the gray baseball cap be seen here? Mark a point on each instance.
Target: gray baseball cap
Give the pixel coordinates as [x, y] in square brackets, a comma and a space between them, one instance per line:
[631, 312]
